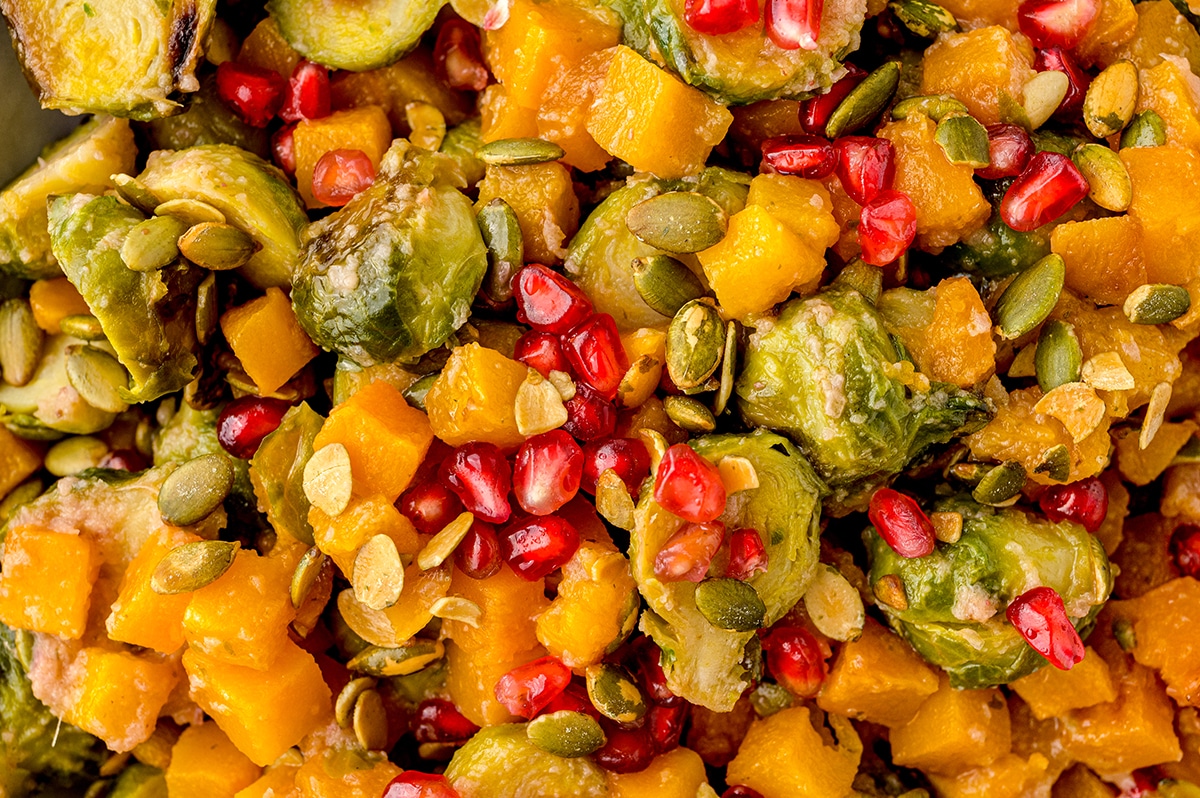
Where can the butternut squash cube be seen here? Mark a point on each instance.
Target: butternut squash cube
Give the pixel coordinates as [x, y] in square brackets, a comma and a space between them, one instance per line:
[276, 782]
[1143, 466]
[365, 517]
[19, 459]
[1116, 23]
[958, 341]
[804, 206]
[596, 607]
[563, 113]
[395, 624]
[265, 47]
[140, 616]
[1173, 91]
[119, 695]
[783, 756]
[1103, 257]
[973, 14]
[1079, 782]
[1010, 776]
[1168, 206]
[675, 774]
[543, 198]
[205, 764]
[267, 339]
[979, 67]
[954, 730]
[500, 117]
[344, 773]
[365, 128]
[411, 79]
[1050, 692]
[472, 399]
[1161, 29]
[46, 584]
[53, 300]
[1167, 626]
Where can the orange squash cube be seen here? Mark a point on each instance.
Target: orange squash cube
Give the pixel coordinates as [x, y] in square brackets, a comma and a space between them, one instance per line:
[1143, 466]
[473, 398]
[500, 117]
[119, 695]
[1161, 29]
[1168, 206]
[784, 756]
[1050, 692]
[1103, 257]
[1167, 627]
[46, 584]
[973, 14]
[804, 206]
[595, 609]
[1173, 91]
[543, 198]
[1116, 23]
[276, 782]
[1010, 776]
[19, 459]
[140, 616]
[205, 764]
[412, 79]
[267, 339]
[365, 517]
[385, 436]
[344, 773]
[53, 300]
[958, 341]
[265, 47]
[979, 67]
[954, 730]
[675, 774]
[563, 113]
[366, 128]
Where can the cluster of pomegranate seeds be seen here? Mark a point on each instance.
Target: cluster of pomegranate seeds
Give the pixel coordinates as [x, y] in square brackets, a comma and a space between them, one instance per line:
[718, 17]
[688, 553]
[1059, 60]
[901, 523]
[430, 506]
[1041, 618]
[1185, 549]
[866, 166]
[307, 95]
[255, 94]
[815, 112]
[245, 421]
[886, 227]
[548, 301]
[527, 689]
[478, 554]
[796, 658]
[541, 351]
[626, 456]
[1085, 502]
[747, 554]
[439, 721]
[688, 485]
[590, 416]
[458, 58]
[1057, 23]
[547, 471]
[1049, 186]
[340, 175]
[596, 354]
[1009, 149]
[804, 155]
[535, 546]
[794, 24]
[415, 784]
[479, 475]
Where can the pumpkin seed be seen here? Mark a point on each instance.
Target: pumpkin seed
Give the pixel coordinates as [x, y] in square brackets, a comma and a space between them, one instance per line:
[343, 705]
[328, 481]
[415, 394]
[769, 698]
[397, 661]
[1012, 112]
[863, 278]
[442, 545]
[947, 526]
[737, 473]
[152, 244]
[1030, 297]
[835, 606]
[639, 382]
[889, 590]
[923, 18]
[865, 101]
[21, 342]
[934, 106]
[665, 284]
[1110, 100]
[689, 413]
[1059, 357]
[1146, 129]
[114, 765]
[730, 604]
[1109, 185]
[75, 454]
[964, 140]
[308, 571]
[679, 222]
[614, 694]
[1076, 406]
[217, 247]
[28, 428]
[967, 473]
[22, 494]
[378, 575]
[505, 246]
[728, 370]
[1002, 483]
[695, 343]
[83, 326]
[1055, 463]
[370, 721]
[1043, 93]
[97, 377]
[1124, 634]
[613, 501]
[538, 407]
[1188, 454]
[194, 489]
[427, 125]
[457, 608]
[1107, 372]
[207, 310]
[566, 733]
[191, 566]
[190, 211]
[1157, 303]
[518, 152]
[656, 446]
[132, 190]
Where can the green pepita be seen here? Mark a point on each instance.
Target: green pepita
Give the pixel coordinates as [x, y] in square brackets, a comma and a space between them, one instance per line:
[190, 211]
[427, 125]
[1002, 483]
[613, 501]
[964, 140]
[505, 246]
[1157, 303]
[75, 454]
[1030, 297]
[923, 18]
[378, 574]
[863, 278]
[1055, 463]
[195, 489]
[1109, 185]
[1110, 100]
[728, 369]
[730, 604]
[665, 284]
[343, 705]
[328, 481]
[370, 721]
[679, 222]
[1059, 357]
[1123, 633]
[639, 381]
[83, 326]
[97, 377]
[566, 733]
[443, 544]
[415, 394]
[889, 590]
[20, 342]
[191, 566]
[689, 413]
[695, 344]
[1043, 93]
[834, 605]
[1146, 129]
[1012, 112]
[207, 308]
[518, 152]
[1188, 454]
[308, 571]
[966, 473]
[135, 193]
[934, 106]
[769, 698]
[614, 693]
[218, 247]
[26, 427]
[152, 244]
[865, 101]
[397, 661]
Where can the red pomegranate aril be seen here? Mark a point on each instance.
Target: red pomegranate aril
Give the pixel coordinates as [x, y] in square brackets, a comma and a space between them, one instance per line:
[253, 93]
[741, 791]
[415, 784]
[1041, 618]
[866, 166]
[595, 352]
[902, 523]
[458, 57]
[653, 678]
[805, 156]
[794, 24]
[123, 460]
[719, 17]
[246, 421]
[665, 725]
[541, 351]
[283, 148]
[589, 415]
[1056, 23]
[307, 95]
[548, 301]
[747, 554]
[815, 112]
[796, 659]
[688, 485]
[1078, 80]
[439, 721]
[626, 456]
[480, 477]
[688, 553]
[573, 699]
[1085, 502]
[478, 555]
[340, 175]
[527, 689]
[430, 506]
[886, 227]
[626, 750]
[1049, 187]
[546, 472]
[536, 546]
[1009, 149]
[1185, 548]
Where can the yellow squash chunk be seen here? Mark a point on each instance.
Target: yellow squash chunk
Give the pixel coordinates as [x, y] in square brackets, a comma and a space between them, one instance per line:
[365, 517]
[676, 774]
[119, 695]
[543, 198]
[1010, 776]
[265, 47]
[205, 764]
[1168, 206]
[563, 113]
[596, 607]
[973, 14]
[19, 459]
[500, 117]
[1103, 257]
[804, 206]
[1181, 492]
[395, 624]
[53, 300]
[958, 341]
[344, 773]
[1050, 692]
[1143, 466]
[276, 782]
[267, 339]
[954, 730]
[472, 399]
[366, 129]
[783, 756]
[1173, 92]
[1161, 29]
[140, 616]
[1079, 782]
[978, 67]
[638, 102]
[649, 343]
[1116, 23]
[46, 584]
[1167, 626]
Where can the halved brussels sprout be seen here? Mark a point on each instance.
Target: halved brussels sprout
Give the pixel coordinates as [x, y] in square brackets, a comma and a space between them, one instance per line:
[704, 664]
[826, 372]
[207, 120]
[957, 595]
[121, 57]
[393, 273]
[501, 762]
[49, 397]
[277, 471]
[354, 34]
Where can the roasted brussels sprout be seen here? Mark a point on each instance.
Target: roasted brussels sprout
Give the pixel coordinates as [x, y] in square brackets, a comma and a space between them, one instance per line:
[354, 34]
[956, 596]
[393, 273]
[207, 120]
[460, 143]
[997, 250]
[502, 762]
[277, 471]
[826, 372]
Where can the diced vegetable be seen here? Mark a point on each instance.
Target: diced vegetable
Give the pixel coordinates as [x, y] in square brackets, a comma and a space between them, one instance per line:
[544, 200]
[119, 695]
[986, 69]
[595, 610]
[1051, 692]
[268, 342]
[784, 755]
[501, 762]
[954, 729]
[674, 774]
[47, 580]
[140, 616]
[472, 399]
[205, 763]
[365, 128]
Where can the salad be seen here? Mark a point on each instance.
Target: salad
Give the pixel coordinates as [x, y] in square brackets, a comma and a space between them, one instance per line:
[665, 398]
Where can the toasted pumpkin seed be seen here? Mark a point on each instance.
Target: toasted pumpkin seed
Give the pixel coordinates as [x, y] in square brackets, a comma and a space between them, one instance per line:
[566, 733]
[1156, 411]
[769, 698]
[964, 140]
[398, 661]
[835, 606]
[207, 309]
[730, 604]
[695, 344]
[457, 608]
[613, 501]
[28, 428]
[728, 369]
[947, 526]
[20, 342]
[1123, 633]
[442, 545]
[328, 481]
[863, 278]
[191, 566]
[538, 407]
[74, 454]
[689, 413]
[665, 284]
[518, 152]
[308, 570]
[614, 694]
[370, 721]
[505, 246]
[1107, 372]
[678, 221]
[83, 326]
[1002, 483]
[132, 190]
[1043, 93]
[1059, 357]
[865, 101]
[153, 243]
[343, 705]
[889, 590]
[1157, 303]
[923, 18]
[194, 489]
[217, 247]
[967, 473]
[191, 211]
[1030, 297]
[1146, 129]
[415, 394]
[934, 106]
[1012, 112]
[1188, 454]
[639, 382]
[378, 574]
[1110, 100]
[97, 377]
[427, 125]
[1109, 185]
[1055, 463]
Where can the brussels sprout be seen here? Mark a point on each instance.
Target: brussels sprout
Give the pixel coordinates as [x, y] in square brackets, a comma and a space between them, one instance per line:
[460, 143]
[392, 274]
[148, 317]
[826, 372]
[207, 120]
[997, 250]
[49, 398]
[252, 194]
[501, 762]
[956, 596]
[140, 781]
[277, 471]
[705, 664]
[122, 57]
[354, 34]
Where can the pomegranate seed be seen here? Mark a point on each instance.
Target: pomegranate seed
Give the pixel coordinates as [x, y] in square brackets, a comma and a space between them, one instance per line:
[541, 351]
[688, 485]
[665, 725]
[123, 460]
[627, 456]
[480, 476]
[901, 523]
[1078, 81]
[740, 791]
[815, 113]
[253, 93]
[536, 546]
[887, 227]
[794, 24]
[527, 689]
[747, 554]
[1185, 548]
[1009, 150]
[573, 699]
[1085, 502]
[1057, 23]
[796, 659]
[595, 351]
[1041, 618]
[307, 95]
[1145, 783]
[439, 721]
[430, 506]
[626, 751]
[806, 155]
[589, 415]
[283, 149]
[246, 421]
[458, 57]
[546, 472]
[654, 679]
[548, 301]
[688, 553]
[340, 175]
[866, 166]
[478, 555]
[719, 17]
[414, 784]
[1049, 187]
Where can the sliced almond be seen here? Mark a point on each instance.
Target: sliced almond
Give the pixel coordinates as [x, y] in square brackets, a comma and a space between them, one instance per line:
[1076, 406]
[1155, 411]
[1107, 372]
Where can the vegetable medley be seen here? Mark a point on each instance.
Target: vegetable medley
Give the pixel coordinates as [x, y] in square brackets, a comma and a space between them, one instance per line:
[522, 398]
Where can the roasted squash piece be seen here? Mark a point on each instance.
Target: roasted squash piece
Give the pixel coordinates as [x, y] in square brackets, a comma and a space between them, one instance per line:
[204, 764]
[47, 581]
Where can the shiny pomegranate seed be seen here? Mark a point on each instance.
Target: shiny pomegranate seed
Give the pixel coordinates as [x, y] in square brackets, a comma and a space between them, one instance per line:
[340, 175]
[1185, 548]
[536, 546]
[1009, 150]
[546, 472]
[481, 478]
[815, 113]
[253, 93]
[595, 351]
[796, 659]
[541, 351]
[283, 148]
[1145, 784]
[478, 555]
[307, 95]
[901, 523]
[627, 456]
[747, 554]
[887, 227]
[430, 506]
[1049, 187]
[589, 415]
[1041, 618]
[548, 301]
[665, 725]
[866, 166]
[688, 485]
[439, 721]
[718, 17]
[740, 791]
[654, 680]
[688, 553]
[1057, 23]
[626, 751]
[1078, 80]
[458, 58]
[414, 784]
[246, 421]
[794, 24]
[805, 155]
[527, 689]
[1085, 502]
[573, 699]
